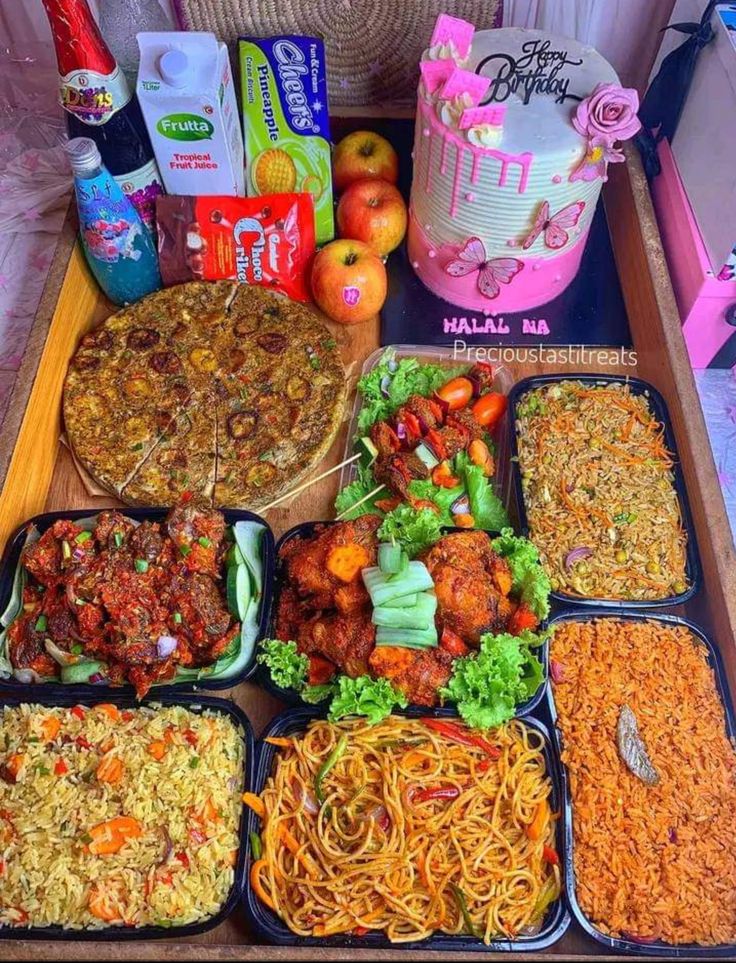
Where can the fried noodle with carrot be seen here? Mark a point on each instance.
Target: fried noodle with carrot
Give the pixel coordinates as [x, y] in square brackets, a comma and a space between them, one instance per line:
[408, 827]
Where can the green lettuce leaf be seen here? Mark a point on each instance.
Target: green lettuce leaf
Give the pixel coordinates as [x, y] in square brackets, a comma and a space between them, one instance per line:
[442, 497]
[488, 684]
[409, 377]
[318, 693]
[352, 493]
[373, 698]
[486, 507]
[415, 529]
[288, 667]
[530, 581]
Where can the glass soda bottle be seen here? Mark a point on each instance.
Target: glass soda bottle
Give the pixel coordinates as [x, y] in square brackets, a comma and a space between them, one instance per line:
[100, 104]
[118, 246]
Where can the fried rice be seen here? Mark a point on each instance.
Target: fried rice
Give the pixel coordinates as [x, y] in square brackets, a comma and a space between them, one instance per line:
[117, 817]
[599, 494]
[651, 861]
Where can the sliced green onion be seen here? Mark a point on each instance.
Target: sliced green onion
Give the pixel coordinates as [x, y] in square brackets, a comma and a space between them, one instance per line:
[141, 565]
[205, 542]
[83, 537]
[177, 618]
[66, 549]
[328, 764]
[41, 623]
[463, 907]
[77, 649]
[118, 537]
[194, 762]
[185, 550]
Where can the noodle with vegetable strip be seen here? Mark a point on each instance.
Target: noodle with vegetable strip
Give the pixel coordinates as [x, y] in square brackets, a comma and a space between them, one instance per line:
[424, 826]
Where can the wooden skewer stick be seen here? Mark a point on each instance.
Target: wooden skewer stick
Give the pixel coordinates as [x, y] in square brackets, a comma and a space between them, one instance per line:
[360, 501]
[306, 484]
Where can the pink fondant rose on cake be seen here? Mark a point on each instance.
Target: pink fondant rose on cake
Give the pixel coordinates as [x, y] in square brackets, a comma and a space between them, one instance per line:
[608, 115]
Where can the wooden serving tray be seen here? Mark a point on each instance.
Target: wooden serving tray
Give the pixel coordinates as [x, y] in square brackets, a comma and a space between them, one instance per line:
[41, 477]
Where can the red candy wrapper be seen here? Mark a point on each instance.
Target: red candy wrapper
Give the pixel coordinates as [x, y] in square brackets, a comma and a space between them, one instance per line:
[266, 240]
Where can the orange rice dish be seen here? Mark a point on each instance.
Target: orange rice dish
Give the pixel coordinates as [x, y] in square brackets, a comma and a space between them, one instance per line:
[651, 861]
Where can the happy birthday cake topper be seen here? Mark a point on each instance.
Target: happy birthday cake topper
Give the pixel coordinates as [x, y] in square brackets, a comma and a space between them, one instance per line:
[537, 71]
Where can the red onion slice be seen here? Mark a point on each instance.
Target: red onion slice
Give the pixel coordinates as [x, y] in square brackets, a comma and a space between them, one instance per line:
[165, 645]
[556, 671]
[577, 555]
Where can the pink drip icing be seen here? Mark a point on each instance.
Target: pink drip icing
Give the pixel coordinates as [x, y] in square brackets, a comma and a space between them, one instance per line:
[524, 161]
[459, 153]
[475, 169]
[428, 178]
[443, 155]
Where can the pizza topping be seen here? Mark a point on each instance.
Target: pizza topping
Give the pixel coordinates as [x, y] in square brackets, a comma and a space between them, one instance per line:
[261, 474]
[99, 339]
[203, 359]
[164, 422]
[180, 392]
[166, 362]
[237, 359]
[241, 424]
[273, 342]
[245, 326]
[140, 339]
[86, 362]
[297, 388]
[136, 389]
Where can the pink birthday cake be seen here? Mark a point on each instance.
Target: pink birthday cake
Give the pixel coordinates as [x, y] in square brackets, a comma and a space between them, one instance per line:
[514, 133]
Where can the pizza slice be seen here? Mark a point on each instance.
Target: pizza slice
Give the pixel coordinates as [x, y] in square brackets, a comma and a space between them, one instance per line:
[183, 461]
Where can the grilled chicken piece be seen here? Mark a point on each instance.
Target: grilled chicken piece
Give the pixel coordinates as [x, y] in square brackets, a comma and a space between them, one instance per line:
[346, 641]
[306, 560]
[418, 673]
[472, 584]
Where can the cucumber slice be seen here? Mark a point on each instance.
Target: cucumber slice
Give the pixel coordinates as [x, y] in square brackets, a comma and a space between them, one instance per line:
[407, 638]
[382, 588]
[81, 671]
[418, 616]
[425, 454]
[234, 556]
[389, 558]
[238, 590]
[248, 536]
[402, 602]
[367, 451]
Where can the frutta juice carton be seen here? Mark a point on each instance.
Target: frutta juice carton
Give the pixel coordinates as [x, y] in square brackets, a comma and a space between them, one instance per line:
[286, 122]
[186, 91]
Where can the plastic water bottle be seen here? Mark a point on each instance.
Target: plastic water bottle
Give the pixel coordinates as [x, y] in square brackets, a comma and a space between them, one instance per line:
[120, 249]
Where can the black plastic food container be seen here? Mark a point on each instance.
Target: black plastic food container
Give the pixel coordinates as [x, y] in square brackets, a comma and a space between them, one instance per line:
[61, 696]
[289, 696]
[659, 410]
[10, 561]
[271, 929]
[612, 944]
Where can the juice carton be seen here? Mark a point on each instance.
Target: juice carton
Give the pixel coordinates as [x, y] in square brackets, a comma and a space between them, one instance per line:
[186, 92]
[286, 123]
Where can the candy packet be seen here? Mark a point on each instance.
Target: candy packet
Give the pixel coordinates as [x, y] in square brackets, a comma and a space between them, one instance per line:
[267, 240]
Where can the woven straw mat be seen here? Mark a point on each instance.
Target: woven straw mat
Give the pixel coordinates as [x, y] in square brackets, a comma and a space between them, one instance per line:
[373, 46]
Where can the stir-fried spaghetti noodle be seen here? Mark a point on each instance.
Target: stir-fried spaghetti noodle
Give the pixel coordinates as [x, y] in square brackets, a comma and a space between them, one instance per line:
[414, 826]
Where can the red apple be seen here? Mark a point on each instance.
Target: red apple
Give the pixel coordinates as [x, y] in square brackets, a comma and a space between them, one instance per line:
[349, 281]
[363, 154]
[374, 212]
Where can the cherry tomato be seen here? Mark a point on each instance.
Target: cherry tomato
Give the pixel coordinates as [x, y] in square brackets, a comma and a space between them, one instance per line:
[456, 393]
[489, 409]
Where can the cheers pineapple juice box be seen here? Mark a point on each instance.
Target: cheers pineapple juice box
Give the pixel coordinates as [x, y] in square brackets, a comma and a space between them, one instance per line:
[286, 122]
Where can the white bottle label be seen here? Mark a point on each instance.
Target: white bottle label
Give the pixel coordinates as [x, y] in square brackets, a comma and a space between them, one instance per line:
[93, 97]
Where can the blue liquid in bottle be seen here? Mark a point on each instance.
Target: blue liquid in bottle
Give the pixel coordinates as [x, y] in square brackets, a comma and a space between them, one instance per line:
[120, 249]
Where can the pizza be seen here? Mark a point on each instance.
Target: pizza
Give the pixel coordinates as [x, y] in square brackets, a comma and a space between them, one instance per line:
[228, 392]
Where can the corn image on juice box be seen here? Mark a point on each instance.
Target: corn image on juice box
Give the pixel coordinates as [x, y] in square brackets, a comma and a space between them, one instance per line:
[286, 122]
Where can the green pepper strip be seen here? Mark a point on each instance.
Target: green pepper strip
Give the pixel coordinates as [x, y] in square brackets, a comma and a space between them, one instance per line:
[547, 895]
[463, 907]
[327, 765]
[256, 845]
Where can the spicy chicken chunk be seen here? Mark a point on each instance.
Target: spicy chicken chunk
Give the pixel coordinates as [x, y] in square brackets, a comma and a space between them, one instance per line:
[418, 673]
[346, 641]
[309, 569]
[472, 584]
